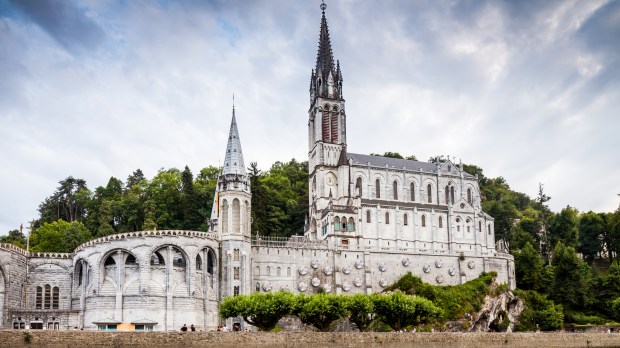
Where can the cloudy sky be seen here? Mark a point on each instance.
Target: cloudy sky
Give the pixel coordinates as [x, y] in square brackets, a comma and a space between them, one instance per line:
[527, 90]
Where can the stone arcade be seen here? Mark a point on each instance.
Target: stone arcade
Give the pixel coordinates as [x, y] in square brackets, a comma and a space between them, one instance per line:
[371, 219]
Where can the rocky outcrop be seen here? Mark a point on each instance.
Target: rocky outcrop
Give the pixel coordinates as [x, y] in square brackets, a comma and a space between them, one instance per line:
[498, 313]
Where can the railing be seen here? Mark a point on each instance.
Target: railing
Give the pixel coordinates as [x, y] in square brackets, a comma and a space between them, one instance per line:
[288, 242]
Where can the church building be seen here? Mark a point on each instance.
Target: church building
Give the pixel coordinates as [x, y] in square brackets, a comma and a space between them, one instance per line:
[371, 219]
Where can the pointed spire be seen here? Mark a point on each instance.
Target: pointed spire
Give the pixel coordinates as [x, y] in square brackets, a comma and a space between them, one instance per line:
[324, 56]
[233, 163]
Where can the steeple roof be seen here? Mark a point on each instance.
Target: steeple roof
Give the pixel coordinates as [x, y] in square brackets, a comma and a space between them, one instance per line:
[324, 57]
[233, 163]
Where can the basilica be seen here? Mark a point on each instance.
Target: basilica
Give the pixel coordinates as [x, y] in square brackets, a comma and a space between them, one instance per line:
[371, 219]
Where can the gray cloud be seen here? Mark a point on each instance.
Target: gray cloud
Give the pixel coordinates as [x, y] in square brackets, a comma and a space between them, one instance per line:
[65, 22]
[526, 90]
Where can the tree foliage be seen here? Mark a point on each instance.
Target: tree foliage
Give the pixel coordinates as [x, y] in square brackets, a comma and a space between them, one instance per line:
[320, 310]
[400, 311]
[59, 236]
[361, 308]
[262, 310]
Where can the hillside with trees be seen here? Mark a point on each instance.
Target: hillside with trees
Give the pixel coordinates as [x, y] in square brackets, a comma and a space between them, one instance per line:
[566, 258]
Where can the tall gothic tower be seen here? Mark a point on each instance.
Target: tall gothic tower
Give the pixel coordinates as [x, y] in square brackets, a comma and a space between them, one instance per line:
[231, 218]
[327, 138]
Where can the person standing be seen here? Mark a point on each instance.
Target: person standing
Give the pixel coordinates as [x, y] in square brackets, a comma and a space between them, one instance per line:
[192, 328]
[184, 328]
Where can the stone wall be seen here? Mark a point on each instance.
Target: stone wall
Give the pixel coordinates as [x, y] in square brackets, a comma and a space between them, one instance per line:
[15, 338]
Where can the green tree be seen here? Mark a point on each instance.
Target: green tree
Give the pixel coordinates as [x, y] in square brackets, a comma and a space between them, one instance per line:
[67, 202]
[361, 310]
[59, 236]
[320, 310]
[591, 231]
[14, 237]
[106, 218]
[149, 216]
[165, 191]
[571, 279]
[530, 269]
[563, 228]
[262, 310]
[190, 202]
[400, 311]
[538, 313]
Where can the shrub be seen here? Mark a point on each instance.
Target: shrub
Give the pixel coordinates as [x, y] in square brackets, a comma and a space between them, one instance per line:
[539, 312]
[361, 310]
[262, 310]
[399, 310]
[320, 310]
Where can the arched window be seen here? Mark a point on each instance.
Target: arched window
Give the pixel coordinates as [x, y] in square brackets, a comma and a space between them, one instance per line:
[257, 270]
[236, 216]
[278, 271]
[224, 214]
[479, 226]
[452, 193]
[198, 263]
[412, 192]
[468, 222]
[423, 220]
[343, 222]
[39, 298]
[387, 218]
[351, 225]
[109, 261]
[337, 224]
[236, 273]
[178, 260]
[268, 270]
[368, 216]
[405, 220]
[447, 194]
[377, 188]
[489, 229]
[257, 287]
[236, 255]
[55, 297]
[48, 297]
[429, 193]
[440, 222]
[358, 186]
[288, 271]
[210, 262]
[157, 259]
[469, 195]
[395, 189]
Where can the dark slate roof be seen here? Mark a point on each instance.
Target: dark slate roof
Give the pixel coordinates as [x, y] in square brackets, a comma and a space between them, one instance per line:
[396, 163]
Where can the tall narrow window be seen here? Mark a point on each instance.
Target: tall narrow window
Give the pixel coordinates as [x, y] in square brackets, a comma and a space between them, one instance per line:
[268, 270]
[351, 225]
[335, 125]
[368, 216]
[358, 186]
[412, 192]
[469, 195]
[452, 194]
[198, 263]
[326, 125]
[343, 222]
[288, 271]
[39, 298]
[337, 224]
[423, 220]
[55, 297]
[479, 226]
[405, 220]
[387, 218]
[440, 222]
[489, 229]
[257, 270]
[236, 273]
[395, 189]
[236, 255]
[447, 194]
[429, 193]
[257, 287]
[377, 188]
[235, 291]
[278, 271]
[48, 297]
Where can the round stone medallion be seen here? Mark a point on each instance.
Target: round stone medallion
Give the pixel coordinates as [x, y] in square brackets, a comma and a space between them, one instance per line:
[302, 286]
[406, 262]
[328, 270]
[316, 282]
[302, 270]
[427, 268]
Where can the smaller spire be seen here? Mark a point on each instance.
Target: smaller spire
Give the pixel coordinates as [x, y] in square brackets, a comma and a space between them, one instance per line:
[233, 160]
[323, 6]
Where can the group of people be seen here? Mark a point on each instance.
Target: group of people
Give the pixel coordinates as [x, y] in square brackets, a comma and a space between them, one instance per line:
[191, 328]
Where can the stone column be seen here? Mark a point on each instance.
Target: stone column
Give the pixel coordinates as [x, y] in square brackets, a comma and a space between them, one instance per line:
[169, 270]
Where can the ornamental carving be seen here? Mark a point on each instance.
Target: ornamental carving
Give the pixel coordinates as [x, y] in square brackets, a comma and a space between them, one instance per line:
[314, 264]
[302, 286]
[267, 286]
[346, 286]
[328, 270]
[439, 279]
[316, 281]
[383, 283]
[303, 270]
[382, 267]
[284, 287]
[358, 264]
[427, 268]
[346, 269]
[327, 288]
[438, 263]
[471, 264]
[357, 282]
[406, 262]
[451, 271]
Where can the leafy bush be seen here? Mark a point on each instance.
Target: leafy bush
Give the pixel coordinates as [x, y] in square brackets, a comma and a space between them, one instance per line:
[262, 310]
[539, 312]
[583, 318]
[320, 310]
[400, 311]
[361, 310]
